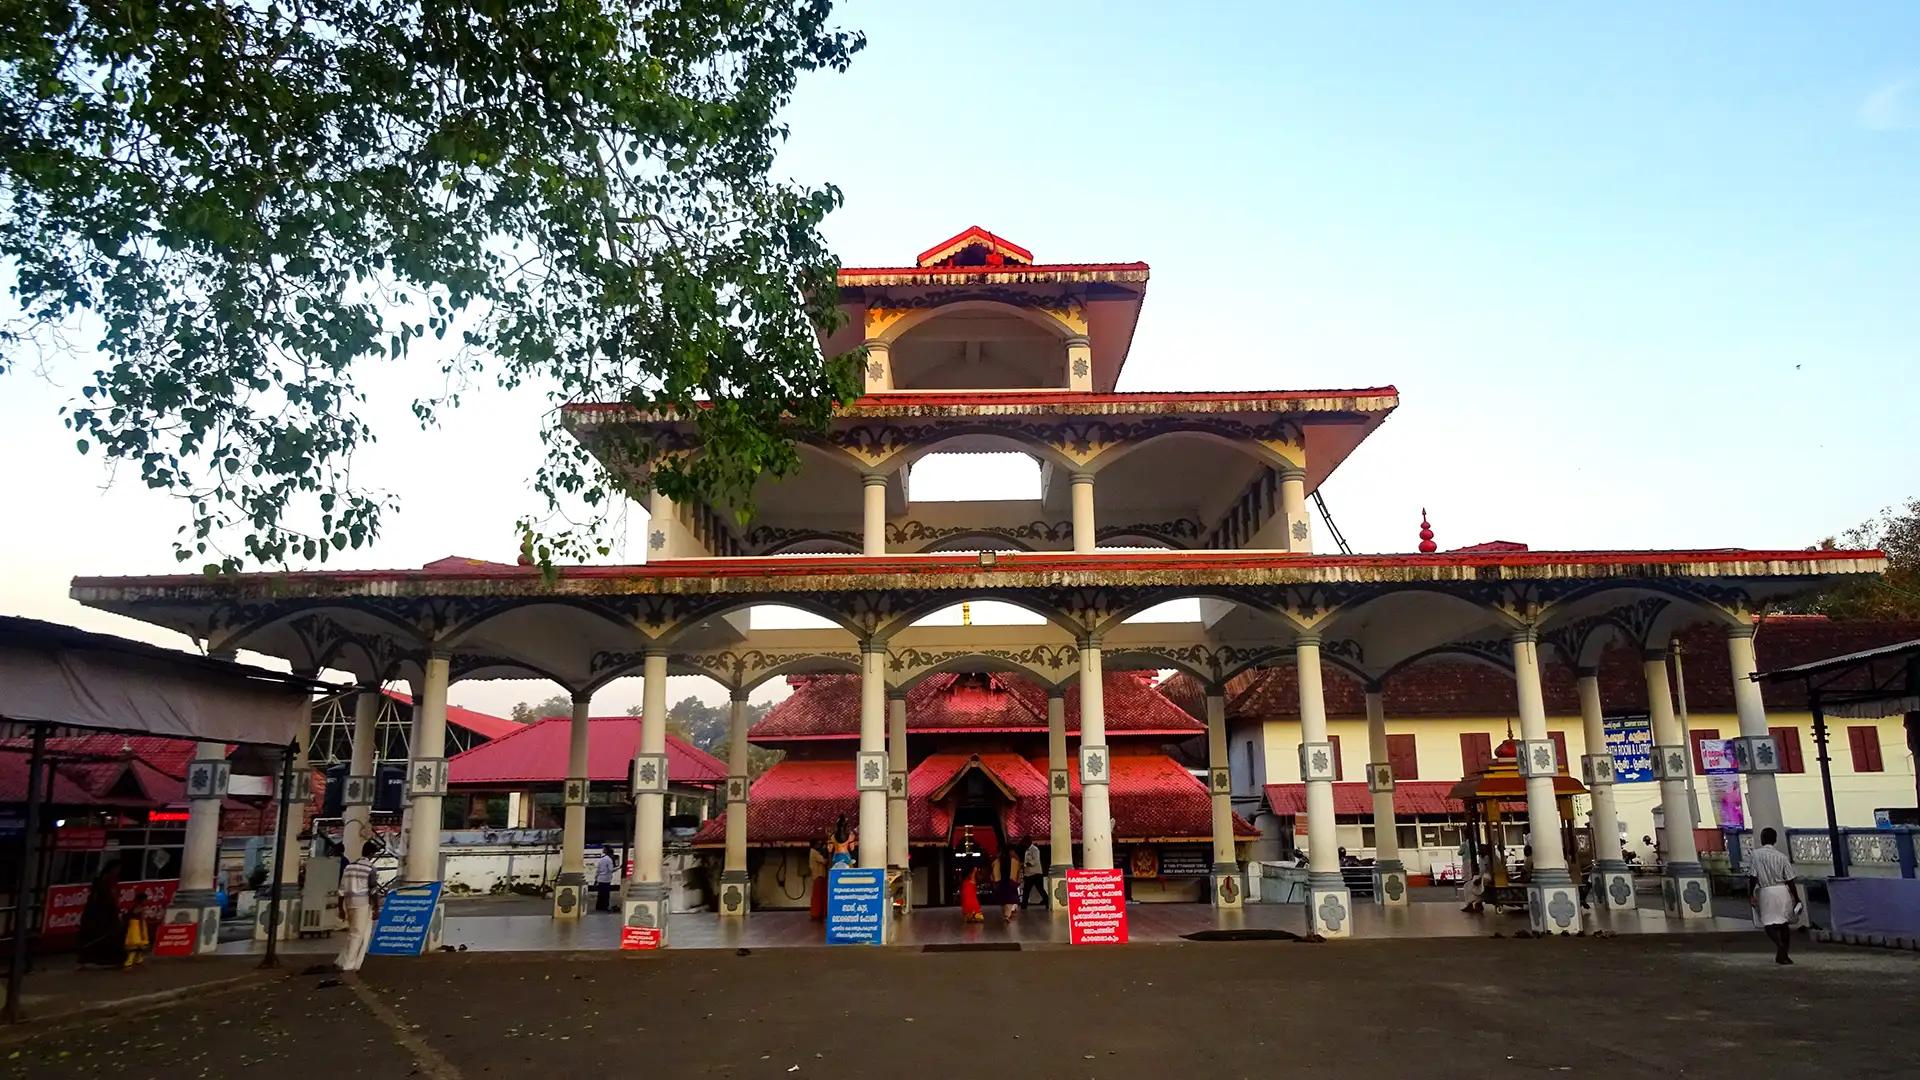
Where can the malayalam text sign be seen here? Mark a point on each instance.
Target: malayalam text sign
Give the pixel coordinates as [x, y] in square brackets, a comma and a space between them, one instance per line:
[639, 937]
[857, 906]
[66, 904]
[1717, 759]
[406, 916]
[1096, 907]
[175, 939]
[1630, 741]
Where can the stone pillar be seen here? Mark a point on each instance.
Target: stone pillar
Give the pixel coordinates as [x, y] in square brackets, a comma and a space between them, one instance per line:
[356, 797]
[1079, 364]
[1389, 873]
[287, 860]
[1060, 800]
[1611, 881]
[873, 535]
[897, 855]
[196, 901]
[570, 888]
[1293, 507]
[1683, 886]
[1759, 758]
[1227, 887]
[872, 766]
[878, 376]
[644, 900]
[1096, 765]
[736, 886]
[1329, 905]
[427, 772]
[1083, 525]
[1553, 899]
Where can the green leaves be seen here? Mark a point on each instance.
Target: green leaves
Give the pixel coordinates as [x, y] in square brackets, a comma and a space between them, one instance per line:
[242, 202]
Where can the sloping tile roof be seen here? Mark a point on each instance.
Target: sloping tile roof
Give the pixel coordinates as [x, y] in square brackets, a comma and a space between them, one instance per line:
[1351, 799]
[828, 707]
[536, 753]
[795, 802]
[103, 769]
[493, 727]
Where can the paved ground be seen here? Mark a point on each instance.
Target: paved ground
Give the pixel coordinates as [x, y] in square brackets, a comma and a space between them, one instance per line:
[1627, 1006]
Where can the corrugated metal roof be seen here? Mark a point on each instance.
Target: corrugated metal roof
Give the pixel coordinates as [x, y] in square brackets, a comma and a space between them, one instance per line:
[537, 753]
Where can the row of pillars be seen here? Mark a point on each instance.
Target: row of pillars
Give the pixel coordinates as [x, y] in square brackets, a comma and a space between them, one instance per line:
[881, 780]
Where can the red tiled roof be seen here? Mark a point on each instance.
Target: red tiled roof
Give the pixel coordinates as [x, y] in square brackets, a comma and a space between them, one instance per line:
[113, 770]
[1353, 799]
[828, 707]
[795, 802]
[536, 753]
[493, 727]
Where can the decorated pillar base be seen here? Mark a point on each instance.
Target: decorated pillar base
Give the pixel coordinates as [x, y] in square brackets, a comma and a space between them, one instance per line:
[1685, 892]
[1229, 887]
[644, 903]
[289, 914]
[1390, 883]
[200, 907]
[1553, 903]
[1057, 888]
[1613, 886]
[736, 894]
[1329, 906]
[569, 895]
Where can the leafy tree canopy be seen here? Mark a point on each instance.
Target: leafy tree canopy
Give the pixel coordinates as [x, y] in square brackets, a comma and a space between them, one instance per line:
[1896, 531]
[239, 203]
[557, 705]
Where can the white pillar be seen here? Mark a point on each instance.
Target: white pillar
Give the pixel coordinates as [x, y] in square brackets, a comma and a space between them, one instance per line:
[1553, 899]
[1683, 886]
[287, 861]
[1389, 873]
[427, 771]
[871, 778]
[1096, 764]
[736, 887]
[1083, 525]
[874, 518]
[644, 900]
[195, 901]
[1293, 508]
[878, 376]
[1079, 364]
[570, 888]
[1759, 758]
[1611, 881]
[1329, 905]
[357, 795]
[1060, 802]
[1226, 890]
[897, 782]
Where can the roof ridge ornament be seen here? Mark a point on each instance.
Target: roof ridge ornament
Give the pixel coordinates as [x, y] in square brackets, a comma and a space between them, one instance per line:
[974, 246]
[1427, 546]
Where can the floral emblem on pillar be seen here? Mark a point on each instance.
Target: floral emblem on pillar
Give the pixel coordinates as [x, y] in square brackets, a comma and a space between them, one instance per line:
[1300, 530]
[202, 780]
[732, 899]
[565, 901]
[1229, 889]
[423, 777]
[648, 773]
[1764, 752]
[1621, 889]
[1695, 896]
[1394, 886]
[1561, 910]
[897, 784]
[875, 371]
[736, 789]
[1320, 761]
[1543, 759]
[1332, 912]
[1676, 764]
[1096, 765]
[1080, 368]
[573, 791]
[1060, 783]
[641, 915]
[871, 772]
[656, 540]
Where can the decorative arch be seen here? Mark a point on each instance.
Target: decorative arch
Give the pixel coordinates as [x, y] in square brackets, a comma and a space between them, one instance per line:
[1245, 597]
[1278, 444]
[894, 329]
[920, 606]
[1052, 666]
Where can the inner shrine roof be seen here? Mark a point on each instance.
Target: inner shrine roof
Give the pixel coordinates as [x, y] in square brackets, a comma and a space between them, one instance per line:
[828, 707]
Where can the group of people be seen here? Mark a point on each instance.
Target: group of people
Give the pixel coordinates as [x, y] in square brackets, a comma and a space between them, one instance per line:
[109, 937]
[835, 852]
[1010, 883]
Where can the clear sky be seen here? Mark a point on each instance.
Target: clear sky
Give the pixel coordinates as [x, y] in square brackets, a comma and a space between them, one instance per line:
[1645, 275]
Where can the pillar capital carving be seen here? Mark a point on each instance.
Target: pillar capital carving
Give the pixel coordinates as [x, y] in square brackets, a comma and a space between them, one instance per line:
[1526, 635]
[1741, 630]
[1307, 637]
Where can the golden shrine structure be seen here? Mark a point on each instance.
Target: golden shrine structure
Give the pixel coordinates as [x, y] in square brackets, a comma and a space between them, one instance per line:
[1146, 497]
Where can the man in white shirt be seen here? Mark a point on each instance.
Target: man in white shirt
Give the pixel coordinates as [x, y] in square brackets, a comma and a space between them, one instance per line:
[1775, 896]
[358, 906]
[603, 868]
[1033, 875]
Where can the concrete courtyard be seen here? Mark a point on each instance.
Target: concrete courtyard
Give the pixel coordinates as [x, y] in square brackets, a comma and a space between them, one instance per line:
[1691, 1005]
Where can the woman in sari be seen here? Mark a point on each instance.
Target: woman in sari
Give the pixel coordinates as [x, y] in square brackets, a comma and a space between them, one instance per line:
[817, 871]
[103, 938]
[970, 897]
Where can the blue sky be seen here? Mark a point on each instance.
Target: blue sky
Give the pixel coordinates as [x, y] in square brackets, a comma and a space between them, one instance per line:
[1644, 277]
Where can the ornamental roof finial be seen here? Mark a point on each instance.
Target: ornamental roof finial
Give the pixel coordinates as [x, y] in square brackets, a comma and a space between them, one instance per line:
[1427, 546]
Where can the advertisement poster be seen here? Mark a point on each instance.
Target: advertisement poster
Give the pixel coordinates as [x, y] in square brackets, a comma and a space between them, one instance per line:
[639, 937]
[1096, 907]
[1630, 741]
[406, 915]
[857, 906]
[66, 903]
[1728, 810]
[1716, 758]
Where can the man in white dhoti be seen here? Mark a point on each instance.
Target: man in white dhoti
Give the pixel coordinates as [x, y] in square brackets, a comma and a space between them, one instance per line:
[1775, 896]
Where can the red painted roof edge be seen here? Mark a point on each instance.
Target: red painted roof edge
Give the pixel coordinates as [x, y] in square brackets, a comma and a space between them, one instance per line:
[847, 272]
[493, 727]
[1127, 733]
[1057, 397]
[974, 231]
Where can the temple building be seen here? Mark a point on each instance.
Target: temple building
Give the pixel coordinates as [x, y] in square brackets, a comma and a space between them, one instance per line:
[1144, 498]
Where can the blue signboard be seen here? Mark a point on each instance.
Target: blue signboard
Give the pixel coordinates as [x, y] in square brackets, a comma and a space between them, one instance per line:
[1630, 741]
[857, 906]
[406, 914]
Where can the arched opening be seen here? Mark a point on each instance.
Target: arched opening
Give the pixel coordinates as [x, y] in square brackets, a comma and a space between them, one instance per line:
[996, 476]
[976, 346]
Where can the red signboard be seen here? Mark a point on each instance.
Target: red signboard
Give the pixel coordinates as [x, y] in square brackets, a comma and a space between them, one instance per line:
[66, 903]
[639, 937]
[1096, 907]
[175, 939]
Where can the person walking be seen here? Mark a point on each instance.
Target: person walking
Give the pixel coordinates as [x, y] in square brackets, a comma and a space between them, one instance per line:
[358, 906]
[603, 879]
[1775, 896]
[1033, 875]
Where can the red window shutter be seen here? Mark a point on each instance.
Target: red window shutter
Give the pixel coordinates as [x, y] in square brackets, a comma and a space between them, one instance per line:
[1700, 734]
[1339, 768]
[1560, 750]
[1476, 750]
[1865, 743]
[1404, 756]
[1786, 741]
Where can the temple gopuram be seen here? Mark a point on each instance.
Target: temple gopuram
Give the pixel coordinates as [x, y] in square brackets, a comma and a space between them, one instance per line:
[1146, 497]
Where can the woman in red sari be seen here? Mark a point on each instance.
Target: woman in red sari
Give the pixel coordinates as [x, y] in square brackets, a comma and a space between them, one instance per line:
[970, 897]
[817, 870]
